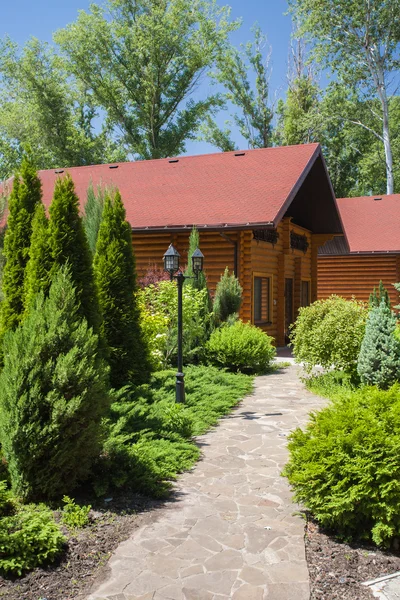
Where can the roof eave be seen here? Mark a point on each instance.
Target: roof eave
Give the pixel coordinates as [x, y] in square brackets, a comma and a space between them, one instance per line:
[204, 227]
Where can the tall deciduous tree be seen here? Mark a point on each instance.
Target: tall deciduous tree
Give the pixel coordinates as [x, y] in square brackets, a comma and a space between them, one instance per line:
[43, 106]
[115, 273]
[255, 117]
[24, 198]
[359, 40]
[142, 60]
[68, 245]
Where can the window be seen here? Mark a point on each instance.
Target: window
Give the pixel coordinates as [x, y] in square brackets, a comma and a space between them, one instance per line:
[305, 293]
[262, 308]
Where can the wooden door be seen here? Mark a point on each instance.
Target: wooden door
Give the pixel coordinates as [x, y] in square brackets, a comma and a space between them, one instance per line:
[288, 307]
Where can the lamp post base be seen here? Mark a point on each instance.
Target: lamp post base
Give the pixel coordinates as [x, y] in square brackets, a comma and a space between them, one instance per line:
[180, 388]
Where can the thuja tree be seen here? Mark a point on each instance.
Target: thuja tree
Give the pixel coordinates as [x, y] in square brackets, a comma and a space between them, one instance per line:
[25, 196]
[53, 395]
[378, 295]
[228, 297]
[115, 273]
[93, 213]
[200, 281]
[379, 358]
[68, 245]
[37, 274]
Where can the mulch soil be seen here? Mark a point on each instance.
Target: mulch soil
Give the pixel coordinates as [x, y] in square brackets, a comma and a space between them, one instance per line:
[85, 555]
[337, 569]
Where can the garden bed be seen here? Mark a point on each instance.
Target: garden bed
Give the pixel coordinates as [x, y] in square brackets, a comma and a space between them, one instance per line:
[337, 569]
[87, 553]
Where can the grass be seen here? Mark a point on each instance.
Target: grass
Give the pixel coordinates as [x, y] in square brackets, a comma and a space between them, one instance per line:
[334, 385]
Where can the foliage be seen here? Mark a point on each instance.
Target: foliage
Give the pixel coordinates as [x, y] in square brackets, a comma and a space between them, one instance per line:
[397, 286]
[378, 295]
[379, 358]
[241, 346]
[43, 106]
[28, 539]
[7, 502]
[53, 396]
[255, 118]
[115, 274]
[152, 276]
[149, 435]
[142, 61]
[228, 297]
[154, 326]
[161, 305]
[25, 196]
[345, 466]
[296, 123]
[73, 515]
[93, 214]
[329, 333]
[359, 42]
[200, 281]
[38, 268]
[68, 245]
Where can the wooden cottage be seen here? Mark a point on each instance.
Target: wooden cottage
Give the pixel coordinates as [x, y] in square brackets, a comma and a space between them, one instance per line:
[353, 264]
[262, 213]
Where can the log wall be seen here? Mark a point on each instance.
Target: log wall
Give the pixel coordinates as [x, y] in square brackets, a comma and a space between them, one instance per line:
[357, 275]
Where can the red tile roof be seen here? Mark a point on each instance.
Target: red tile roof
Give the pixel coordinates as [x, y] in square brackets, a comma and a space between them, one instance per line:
[231, 188]
[371, 225]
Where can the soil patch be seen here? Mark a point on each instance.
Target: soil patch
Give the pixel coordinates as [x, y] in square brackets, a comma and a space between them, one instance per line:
[85, 556]
[337, 569]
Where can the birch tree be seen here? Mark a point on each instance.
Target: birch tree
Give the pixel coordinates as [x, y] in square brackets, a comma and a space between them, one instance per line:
[359, 40]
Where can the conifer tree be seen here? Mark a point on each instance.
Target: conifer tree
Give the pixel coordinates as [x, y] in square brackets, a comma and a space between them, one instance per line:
[228, 297]
[115, 273]
[53, 395]
[379, 358]
[199, 282]
[25, 196]
[68, 245]
[378, 294]
[92, 217]
[37, 274]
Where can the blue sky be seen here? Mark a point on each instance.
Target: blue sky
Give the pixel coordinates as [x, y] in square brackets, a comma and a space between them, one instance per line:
[21, 19]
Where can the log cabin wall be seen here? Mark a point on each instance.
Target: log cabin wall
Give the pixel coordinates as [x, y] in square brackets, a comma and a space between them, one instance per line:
[357, 275]
[219, 252]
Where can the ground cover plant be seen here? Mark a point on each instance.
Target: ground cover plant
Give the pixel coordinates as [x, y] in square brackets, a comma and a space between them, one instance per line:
[345, 465]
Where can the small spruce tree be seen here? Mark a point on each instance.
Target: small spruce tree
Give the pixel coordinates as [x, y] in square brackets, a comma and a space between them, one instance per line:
[228, 297]
[25, 196]
[68, 245]
[37, 274]
[92, 217]
[379, 294]
[379, 359]
[53, 395]
[115, 273]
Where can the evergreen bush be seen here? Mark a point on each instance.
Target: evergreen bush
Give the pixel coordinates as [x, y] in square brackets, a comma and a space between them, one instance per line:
[68, 245]
[93, 214]
[329, 333]
[25, 196]
[115, 274]
[53, 396]
[38, 268]
[379, 358]
[345, 466]
[378, 295]
[240, 347]
[228, 297]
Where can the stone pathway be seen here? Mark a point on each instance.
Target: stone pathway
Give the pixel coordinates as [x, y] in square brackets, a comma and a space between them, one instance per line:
[232, 531]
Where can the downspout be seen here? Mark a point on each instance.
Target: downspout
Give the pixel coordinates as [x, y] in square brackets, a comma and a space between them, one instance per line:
[235, 251]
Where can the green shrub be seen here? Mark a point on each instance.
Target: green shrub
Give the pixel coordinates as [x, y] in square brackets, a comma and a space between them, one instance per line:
[160, 302]
[147, 442]
[329, 333]
[28, 539]
[228, 297]
[7, 502]
[378, 295]
[345, 466]
[240, 347]
[73, 515]
[379, 358]
[53, 395]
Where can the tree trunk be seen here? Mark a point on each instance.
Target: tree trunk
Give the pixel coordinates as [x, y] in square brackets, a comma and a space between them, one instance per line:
[381, 89]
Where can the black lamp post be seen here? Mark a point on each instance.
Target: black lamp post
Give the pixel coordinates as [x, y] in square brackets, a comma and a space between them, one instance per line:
[171, 266]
